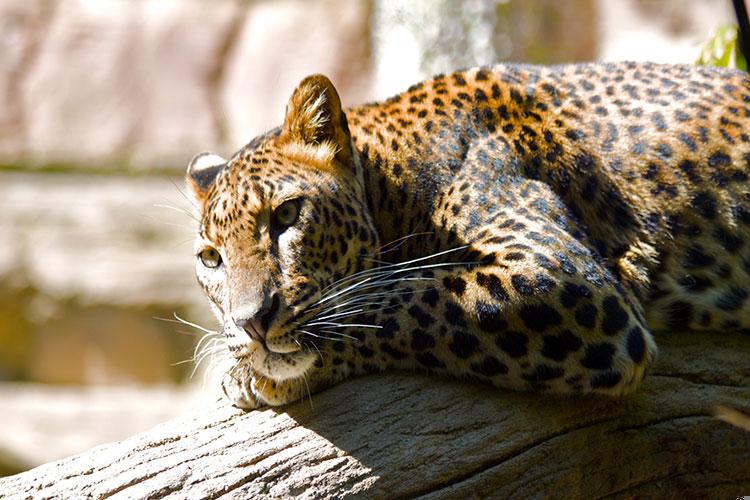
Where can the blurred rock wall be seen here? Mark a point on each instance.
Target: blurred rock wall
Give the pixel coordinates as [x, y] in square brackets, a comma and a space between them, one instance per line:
[86, 263]
[104, 102]
[117, 84]
[142, 85]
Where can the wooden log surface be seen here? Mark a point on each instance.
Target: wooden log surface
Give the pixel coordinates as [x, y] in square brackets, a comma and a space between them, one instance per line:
[405, 435]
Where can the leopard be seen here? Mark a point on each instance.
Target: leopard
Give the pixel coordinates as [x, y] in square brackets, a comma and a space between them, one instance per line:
[527, 227]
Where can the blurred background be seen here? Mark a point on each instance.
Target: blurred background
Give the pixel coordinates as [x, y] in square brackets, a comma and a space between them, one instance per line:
[104, 102]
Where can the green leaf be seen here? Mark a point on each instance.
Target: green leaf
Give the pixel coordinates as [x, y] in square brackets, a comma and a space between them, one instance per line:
[723, 49]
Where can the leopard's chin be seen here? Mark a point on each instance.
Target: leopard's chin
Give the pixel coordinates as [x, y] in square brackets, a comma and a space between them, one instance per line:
[278, 366]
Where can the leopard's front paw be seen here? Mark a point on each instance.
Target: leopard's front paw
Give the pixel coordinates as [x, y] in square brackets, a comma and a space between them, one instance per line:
[237, 390]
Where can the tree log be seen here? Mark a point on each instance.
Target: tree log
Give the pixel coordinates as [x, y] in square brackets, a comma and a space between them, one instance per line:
[406, 435]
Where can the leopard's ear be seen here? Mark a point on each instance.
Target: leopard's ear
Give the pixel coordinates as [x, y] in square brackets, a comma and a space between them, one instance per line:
[201, 174]
[314, 118]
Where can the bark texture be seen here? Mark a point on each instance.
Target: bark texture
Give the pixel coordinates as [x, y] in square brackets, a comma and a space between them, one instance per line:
[403, 435]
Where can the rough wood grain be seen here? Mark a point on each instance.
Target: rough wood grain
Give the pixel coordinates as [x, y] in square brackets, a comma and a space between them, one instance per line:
[402, 435]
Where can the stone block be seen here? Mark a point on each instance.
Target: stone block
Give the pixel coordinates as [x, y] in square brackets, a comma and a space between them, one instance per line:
[118, 85]
[281, 43]
[123, 84]
[86, 263]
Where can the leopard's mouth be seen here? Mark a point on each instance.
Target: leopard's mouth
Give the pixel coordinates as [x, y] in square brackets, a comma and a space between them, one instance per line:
[287, 351]
[276, 362]
[281, 366]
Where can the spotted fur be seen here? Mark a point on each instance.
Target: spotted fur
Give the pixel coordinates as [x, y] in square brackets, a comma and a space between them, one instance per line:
[520, 225]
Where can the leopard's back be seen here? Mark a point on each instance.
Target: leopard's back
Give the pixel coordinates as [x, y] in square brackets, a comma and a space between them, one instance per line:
[651, 160]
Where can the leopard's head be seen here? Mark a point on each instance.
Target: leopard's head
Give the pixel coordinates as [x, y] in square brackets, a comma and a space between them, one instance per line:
[281, 223]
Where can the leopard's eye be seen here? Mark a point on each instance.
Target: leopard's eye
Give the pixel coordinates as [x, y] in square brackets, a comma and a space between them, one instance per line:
[286, 214]
[210, 257]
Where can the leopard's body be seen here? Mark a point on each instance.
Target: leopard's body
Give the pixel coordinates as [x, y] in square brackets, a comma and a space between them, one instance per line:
[573, 210]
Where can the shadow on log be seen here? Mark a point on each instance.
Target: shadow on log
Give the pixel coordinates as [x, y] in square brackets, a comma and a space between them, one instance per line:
[403, 435]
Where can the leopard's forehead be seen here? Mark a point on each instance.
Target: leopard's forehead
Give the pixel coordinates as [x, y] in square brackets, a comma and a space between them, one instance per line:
[258, 178]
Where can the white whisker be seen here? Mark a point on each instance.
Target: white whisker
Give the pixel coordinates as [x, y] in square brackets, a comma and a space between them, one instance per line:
[306, 332]
[339, 334]
[342, 313]
[400, 241]
[194, 325]
[257, 396]
[309, 393]
[198, 362]
[330, 323]
[367, 296]
[387, 278]
[362, 286]
[397, 266]
[177, 209]
[188, 198]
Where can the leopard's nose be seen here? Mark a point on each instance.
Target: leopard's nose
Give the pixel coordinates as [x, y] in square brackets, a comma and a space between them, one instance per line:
[256, 320]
